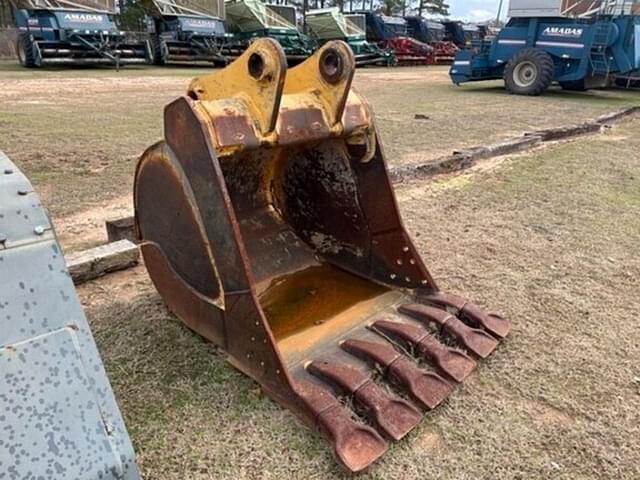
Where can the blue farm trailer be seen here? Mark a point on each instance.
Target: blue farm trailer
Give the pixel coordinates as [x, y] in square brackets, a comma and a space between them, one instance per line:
[566, 41]
[77, 32]
[186, 31]
[462, 34]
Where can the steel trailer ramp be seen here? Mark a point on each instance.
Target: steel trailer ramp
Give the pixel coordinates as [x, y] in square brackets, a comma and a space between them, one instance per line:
[58, 416]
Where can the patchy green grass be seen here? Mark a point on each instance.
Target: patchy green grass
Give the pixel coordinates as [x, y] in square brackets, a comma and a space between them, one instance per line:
[550, 239]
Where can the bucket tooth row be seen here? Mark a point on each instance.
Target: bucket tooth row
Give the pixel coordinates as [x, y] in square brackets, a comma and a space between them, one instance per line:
[454, 363]
[474, 339]
[394, 416]
[426, 387]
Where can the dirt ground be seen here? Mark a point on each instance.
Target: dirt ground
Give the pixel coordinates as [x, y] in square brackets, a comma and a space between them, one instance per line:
[549, 238]
[77, 133]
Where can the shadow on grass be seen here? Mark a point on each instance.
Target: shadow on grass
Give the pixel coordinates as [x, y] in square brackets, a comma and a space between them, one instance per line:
[186, 408]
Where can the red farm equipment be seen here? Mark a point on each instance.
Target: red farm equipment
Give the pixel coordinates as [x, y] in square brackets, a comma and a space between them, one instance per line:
[391, 33]
[433, 34]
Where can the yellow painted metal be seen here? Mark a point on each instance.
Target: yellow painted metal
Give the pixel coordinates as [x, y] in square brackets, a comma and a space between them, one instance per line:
[255, 80]
[328, 94]
[256, 102]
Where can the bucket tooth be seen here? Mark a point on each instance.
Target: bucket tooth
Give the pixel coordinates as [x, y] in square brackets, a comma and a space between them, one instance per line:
[393, 415]
[474, 339]
[427, 387]
[492, 322]
[452, 362]
[355, 445]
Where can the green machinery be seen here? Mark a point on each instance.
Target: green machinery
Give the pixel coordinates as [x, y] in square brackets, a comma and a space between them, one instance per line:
[251, 19]
[330, 24]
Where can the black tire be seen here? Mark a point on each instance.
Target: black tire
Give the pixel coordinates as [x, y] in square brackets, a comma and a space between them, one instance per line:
[156, 50]
[574, 86]
[529, 72]
[24, 49]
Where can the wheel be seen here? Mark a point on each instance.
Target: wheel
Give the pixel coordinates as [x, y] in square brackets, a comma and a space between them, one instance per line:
[156, 50]
[24, 47]
[575, 85]
[529, 72]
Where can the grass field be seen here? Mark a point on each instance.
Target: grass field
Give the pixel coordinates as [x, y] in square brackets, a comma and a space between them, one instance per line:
[550, 238]
[79, 132]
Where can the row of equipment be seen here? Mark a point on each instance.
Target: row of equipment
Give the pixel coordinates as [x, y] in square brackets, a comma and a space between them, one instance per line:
[217, 31]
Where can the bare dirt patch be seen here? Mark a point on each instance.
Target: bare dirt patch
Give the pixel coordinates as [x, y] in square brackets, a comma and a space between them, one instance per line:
[86, 228]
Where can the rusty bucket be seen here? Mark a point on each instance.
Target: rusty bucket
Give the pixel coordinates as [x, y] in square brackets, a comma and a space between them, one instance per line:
[269, 226]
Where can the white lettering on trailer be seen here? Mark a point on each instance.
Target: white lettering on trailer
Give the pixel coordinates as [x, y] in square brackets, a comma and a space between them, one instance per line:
[83, 17]
[563, 32]
[201, 23]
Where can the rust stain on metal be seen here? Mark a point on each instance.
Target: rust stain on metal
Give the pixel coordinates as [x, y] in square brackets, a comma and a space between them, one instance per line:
[312, 296]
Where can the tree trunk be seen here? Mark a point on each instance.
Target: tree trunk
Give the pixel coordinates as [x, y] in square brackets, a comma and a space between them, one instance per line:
[305, 7]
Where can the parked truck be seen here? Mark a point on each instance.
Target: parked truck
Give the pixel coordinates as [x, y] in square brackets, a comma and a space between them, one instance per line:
[573, 43]
[249, 20]
[77, 32]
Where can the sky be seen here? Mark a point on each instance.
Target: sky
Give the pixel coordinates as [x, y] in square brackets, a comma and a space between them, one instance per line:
[475, 10]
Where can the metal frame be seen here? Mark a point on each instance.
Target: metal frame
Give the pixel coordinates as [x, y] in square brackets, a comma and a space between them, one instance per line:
[98, 6]
[187, 7]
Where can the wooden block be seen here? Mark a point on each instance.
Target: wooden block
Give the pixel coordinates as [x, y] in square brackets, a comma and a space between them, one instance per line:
[95, 262]
[121, 229]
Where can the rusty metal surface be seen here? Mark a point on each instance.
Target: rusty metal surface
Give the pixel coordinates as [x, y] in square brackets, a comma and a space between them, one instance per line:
[58, 416]
[393, 415]
[355, 445]
[490, 321]
[454, 363]
[269, 225]
[427, 387]
[474, 339]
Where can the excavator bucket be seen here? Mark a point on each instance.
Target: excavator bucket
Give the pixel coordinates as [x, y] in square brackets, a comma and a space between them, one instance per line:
[269, 226]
